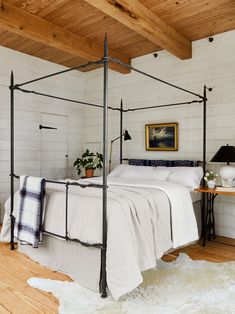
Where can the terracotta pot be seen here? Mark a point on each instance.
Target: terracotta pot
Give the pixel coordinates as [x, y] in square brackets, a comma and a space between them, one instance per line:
[89, 172]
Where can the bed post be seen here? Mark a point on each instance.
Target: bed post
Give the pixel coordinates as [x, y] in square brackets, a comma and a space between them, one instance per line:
[103, 279]
[121, 127]
[12, 163]
[204, 132]
[203, 235]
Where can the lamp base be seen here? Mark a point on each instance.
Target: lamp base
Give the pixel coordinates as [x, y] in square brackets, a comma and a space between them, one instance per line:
[227, 174]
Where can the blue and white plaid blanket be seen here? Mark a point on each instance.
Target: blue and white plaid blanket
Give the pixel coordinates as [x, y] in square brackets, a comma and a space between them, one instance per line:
[30, 213]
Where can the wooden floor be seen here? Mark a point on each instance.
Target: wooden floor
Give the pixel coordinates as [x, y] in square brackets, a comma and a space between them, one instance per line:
[19, 298]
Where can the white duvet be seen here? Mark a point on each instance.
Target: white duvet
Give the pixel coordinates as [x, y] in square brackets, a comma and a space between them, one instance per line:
[144, 221]
[184, 226]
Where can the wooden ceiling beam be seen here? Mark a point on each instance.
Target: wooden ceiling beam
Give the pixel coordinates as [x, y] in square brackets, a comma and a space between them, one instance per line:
[140, 19]
[32, 27]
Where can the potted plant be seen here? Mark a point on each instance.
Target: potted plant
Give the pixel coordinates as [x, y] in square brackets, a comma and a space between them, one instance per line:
[210, 178]
[89, 161]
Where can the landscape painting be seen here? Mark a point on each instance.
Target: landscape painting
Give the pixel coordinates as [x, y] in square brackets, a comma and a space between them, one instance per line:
[162, 136]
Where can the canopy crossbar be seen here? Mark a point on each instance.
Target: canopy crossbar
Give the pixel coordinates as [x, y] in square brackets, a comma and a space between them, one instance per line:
[162, 106]
[100, 106]
[79, 67]
[62, 98]
[130, 67]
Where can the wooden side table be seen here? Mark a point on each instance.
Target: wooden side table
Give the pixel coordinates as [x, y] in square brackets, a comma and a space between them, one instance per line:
[208, 217]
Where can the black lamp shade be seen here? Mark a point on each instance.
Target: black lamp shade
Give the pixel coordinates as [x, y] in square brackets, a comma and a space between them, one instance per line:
[127, 136]
[225, 154]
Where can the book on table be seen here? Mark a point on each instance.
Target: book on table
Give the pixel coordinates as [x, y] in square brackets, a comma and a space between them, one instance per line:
[225, 189]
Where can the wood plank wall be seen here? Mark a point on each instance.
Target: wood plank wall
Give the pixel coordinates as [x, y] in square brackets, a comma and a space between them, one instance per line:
[28, 114]
[212, 64]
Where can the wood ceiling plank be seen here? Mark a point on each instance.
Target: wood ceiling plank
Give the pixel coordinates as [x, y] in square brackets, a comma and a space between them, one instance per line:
[143, 21]
[212, 29]
[83, 19]
[35, 28]
[38, 50]
[217, 20]
[73, 13]
[183, 8]
[139, 48]
[195, 11]
[51, 7]
[32, 6]
[40, 7]
[169, 6]
[194, 19]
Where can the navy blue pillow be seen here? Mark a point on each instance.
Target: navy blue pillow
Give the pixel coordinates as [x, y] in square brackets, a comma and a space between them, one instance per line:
[163, 163]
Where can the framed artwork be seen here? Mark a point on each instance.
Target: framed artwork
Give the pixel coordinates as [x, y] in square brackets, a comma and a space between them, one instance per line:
[162, 136]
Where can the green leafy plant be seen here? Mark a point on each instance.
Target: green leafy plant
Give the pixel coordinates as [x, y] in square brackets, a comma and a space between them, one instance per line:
[89, 160]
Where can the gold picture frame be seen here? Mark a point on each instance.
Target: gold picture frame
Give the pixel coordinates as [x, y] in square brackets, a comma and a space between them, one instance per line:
[161, 136]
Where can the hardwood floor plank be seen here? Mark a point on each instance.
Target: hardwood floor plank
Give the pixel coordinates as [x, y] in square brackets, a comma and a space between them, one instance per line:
[15, 293]
[213, 251]
[3, 310]
[17, 297]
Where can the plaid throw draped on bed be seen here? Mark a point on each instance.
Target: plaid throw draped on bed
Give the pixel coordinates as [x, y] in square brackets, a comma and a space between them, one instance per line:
[30, 213]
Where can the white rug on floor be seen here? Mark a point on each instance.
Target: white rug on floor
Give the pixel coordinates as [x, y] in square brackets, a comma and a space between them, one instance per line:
[183, 286]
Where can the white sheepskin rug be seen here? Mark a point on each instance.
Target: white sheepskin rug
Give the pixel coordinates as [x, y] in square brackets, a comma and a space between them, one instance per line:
[183, 286]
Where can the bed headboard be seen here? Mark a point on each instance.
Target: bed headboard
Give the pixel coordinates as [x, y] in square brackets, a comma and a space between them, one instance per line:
[163, 163]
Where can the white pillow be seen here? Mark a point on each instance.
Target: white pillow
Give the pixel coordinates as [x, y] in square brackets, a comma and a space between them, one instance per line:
[118, 170]
[150, 174]
[144, 173]
[186, 176]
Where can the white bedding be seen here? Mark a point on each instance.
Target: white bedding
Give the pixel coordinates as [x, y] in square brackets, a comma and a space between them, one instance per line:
[184, 226]
[139, 225]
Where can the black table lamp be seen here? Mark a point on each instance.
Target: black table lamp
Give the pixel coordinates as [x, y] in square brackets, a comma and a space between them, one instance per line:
[226, 154]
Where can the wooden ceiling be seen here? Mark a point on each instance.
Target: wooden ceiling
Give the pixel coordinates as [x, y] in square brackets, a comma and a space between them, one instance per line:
[74, 30]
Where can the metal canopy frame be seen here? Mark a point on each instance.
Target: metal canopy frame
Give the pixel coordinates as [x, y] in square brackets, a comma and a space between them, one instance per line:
[105, 62]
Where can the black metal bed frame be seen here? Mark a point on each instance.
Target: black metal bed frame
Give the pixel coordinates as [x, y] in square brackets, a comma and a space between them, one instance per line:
[105, 62]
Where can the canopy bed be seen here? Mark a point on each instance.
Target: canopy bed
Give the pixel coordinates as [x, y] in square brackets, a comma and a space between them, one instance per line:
[103, 183]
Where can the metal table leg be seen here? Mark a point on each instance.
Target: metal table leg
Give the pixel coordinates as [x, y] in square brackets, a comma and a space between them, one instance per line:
[209, 222]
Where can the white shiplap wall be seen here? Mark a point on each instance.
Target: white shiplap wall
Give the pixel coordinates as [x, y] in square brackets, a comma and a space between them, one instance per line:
[212, 64]
[28, 109]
